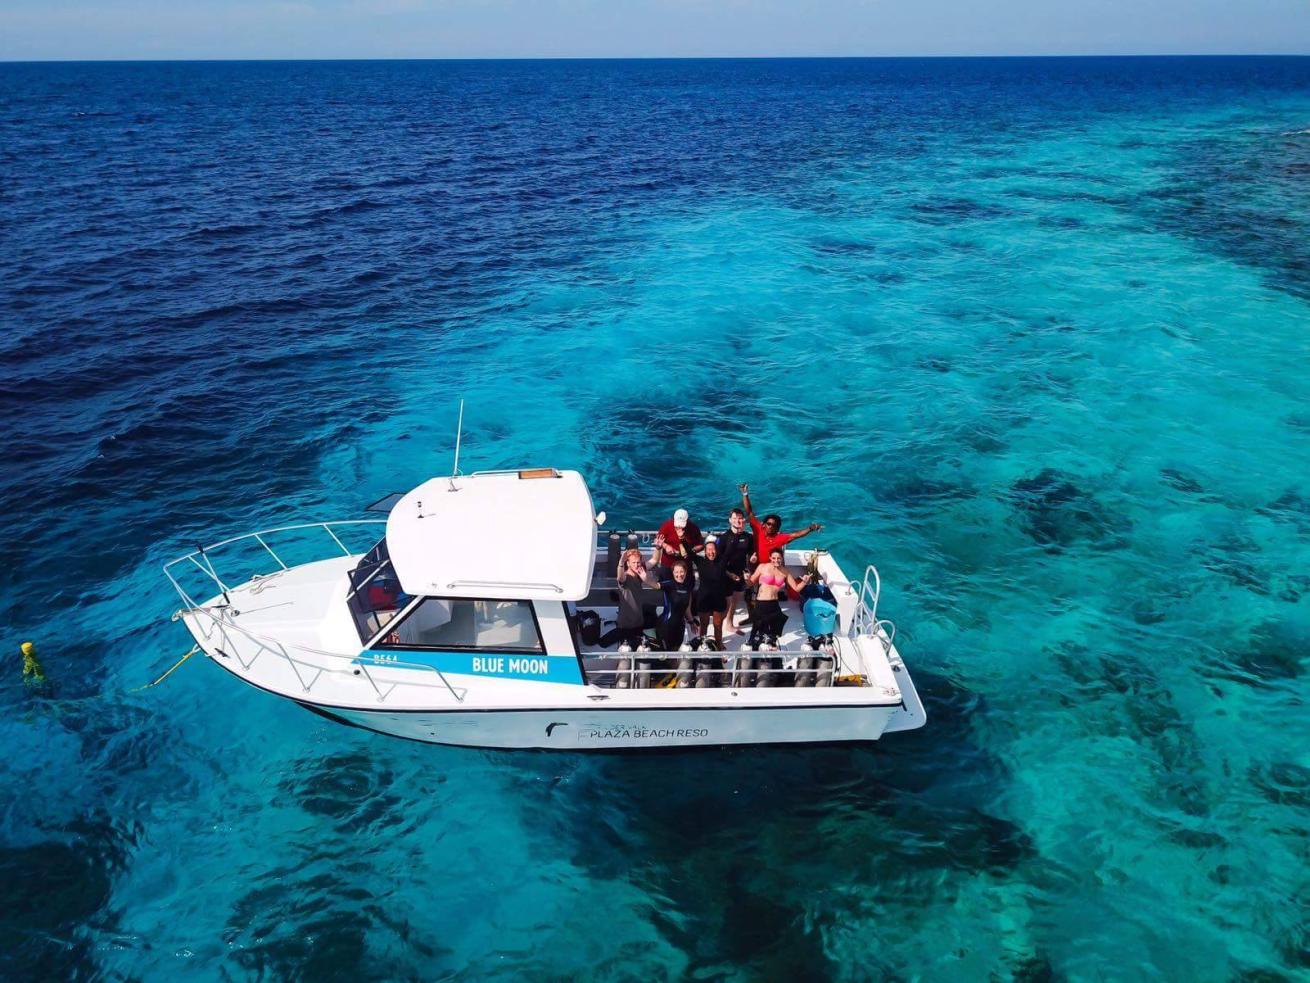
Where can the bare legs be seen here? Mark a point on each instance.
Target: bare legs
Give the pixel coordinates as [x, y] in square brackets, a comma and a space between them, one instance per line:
[732, 612]
[717, 617]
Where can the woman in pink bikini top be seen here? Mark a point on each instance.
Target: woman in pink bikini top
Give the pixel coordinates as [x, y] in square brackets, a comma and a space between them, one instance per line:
[772, 577]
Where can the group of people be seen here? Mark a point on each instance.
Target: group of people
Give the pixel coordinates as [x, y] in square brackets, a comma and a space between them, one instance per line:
[705, 579]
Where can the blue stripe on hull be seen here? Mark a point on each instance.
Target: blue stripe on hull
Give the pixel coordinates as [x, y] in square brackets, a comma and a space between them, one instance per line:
[500, 665]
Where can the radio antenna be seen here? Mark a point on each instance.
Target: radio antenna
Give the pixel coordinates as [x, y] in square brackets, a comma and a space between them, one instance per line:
[459, 433]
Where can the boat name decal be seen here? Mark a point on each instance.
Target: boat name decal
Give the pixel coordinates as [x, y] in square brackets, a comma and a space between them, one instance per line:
[504, 665]
[500, 664]
[627, 732]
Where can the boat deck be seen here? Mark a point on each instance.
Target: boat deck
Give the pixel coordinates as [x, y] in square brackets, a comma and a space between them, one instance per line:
[791, 662]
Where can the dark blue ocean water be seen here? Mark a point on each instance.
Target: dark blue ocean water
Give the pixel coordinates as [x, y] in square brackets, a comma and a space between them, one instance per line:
[1031, 335]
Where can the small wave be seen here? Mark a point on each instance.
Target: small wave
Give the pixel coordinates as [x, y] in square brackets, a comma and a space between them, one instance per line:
[349, 208]
[248, 308]
[210, 232]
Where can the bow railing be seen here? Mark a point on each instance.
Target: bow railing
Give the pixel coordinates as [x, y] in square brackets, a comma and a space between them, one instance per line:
[307, 662]
[202, 558]
[222, 622]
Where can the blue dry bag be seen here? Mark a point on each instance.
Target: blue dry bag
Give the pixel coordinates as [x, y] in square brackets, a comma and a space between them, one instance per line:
[820, 617]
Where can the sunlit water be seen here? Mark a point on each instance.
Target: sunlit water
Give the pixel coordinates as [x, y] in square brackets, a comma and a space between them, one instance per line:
[1032, 336]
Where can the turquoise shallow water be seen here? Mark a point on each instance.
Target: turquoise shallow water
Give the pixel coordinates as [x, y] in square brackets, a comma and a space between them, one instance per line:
[1030, 336]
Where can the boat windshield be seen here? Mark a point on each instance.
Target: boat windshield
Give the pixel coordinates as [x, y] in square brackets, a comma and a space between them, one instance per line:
[375, 596]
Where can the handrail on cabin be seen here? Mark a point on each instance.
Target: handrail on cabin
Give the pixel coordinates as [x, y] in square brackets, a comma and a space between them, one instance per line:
[523, 585]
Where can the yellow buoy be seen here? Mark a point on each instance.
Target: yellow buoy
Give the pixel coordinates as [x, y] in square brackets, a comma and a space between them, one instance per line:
[33, 672]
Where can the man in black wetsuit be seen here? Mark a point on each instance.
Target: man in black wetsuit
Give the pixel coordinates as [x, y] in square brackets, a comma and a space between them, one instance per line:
[735, 549]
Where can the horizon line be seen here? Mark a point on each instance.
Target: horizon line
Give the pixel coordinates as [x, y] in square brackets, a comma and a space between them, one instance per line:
[526, 58]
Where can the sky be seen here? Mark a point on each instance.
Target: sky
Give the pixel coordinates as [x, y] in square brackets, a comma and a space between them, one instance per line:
[132, 29]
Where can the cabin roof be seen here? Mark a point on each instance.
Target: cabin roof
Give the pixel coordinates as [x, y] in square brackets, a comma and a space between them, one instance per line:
[502, 534]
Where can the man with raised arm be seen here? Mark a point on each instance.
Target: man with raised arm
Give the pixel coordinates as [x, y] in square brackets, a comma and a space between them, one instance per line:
[768, 534]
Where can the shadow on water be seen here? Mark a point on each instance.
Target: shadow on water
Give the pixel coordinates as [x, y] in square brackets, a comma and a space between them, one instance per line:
[1119, 695]
[1272, 653]
[319, 918]
[349, 789]
[760, 853]
[1231, 557]
[1291, 507]
[1283, 783]
[1057, 513]
[1261, 232]
[54, 893]
[320, 926]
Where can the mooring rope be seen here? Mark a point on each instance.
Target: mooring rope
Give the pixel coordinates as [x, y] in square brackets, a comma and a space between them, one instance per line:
[169, 672]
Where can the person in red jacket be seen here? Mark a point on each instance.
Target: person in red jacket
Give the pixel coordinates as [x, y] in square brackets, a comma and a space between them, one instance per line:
[674, 534]
[768, 534]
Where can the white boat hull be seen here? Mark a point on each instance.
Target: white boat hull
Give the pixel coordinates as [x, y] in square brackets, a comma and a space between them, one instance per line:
[626, 729]
[293, 633]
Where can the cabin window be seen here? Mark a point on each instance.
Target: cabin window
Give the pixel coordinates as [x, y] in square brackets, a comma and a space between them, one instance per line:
[464, 623]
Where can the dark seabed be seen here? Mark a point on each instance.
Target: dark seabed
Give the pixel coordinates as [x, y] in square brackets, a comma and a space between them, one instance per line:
[1031, 335]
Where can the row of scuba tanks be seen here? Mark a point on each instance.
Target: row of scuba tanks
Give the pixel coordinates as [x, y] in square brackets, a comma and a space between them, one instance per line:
[738, 671]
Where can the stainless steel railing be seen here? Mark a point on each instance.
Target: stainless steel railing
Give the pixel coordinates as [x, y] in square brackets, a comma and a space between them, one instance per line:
[867, 592]
[202, 559]
[350, 661]
[224, 621]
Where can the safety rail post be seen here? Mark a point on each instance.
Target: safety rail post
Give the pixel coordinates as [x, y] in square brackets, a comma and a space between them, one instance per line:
[887, 638]
[328, 528]
[270, 550]
[877, 589]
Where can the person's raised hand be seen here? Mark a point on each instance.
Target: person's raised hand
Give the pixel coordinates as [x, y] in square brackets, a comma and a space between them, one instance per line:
[744, 488]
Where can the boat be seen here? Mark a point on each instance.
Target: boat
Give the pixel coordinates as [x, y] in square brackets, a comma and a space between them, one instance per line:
[470, 618]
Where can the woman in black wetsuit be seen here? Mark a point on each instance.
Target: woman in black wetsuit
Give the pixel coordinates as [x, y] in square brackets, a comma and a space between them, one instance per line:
[676, 613]
[713, 589]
